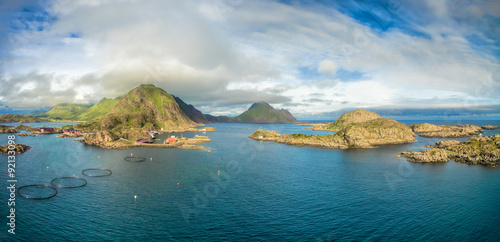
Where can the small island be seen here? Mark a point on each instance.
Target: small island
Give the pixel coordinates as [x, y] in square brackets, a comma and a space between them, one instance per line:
[19, 149]
[360, 129]
[476, 150]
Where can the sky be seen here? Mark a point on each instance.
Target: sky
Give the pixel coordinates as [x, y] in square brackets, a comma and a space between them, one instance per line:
[313, 58]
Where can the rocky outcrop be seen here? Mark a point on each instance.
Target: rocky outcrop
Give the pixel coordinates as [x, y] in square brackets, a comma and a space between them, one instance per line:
[67, 135]
[19, 148]
[426, 156]
[375, 132]
[101, 138]
[490, 127]
[446, 131]
[7, 130]
[25, 134]
[476, 150]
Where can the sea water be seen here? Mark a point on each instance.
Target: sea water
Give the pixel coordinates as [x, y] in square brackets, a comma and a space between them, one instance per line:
[252, 190]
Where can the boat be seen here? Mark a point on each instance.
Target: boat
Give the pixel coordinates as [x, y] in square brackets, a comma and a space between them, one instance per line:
[143, 141]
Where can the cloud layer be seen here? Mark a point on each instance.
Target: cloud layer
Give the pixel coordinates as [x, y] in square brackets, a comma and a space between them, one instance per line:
[223, 55]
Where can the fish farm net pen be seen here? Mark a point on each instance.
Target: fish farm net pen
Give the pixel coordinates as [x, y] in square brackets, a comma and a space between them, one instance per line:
[39, 187]
[54, 182]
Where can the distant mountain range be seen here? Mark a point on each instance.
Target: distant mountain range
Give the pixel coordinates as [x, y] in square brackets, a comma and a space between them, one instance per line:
[146, 103]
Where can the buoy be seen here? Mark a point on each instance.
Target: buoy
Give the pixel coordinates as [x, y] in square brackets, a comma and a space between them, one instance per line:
[131, 154]
[218, 173]
[151, 158]
[135, 197]
[47, 167]
[177, 184]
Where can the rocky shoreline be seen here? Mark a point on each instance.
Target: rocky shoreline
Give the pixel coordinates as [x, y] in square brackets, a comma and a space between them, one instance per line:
[476, 150]
[107, 140]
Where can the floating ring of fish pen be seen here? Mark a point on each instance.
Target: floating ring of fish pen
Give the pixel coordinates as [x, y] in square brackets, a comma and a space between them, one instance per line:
[54, 182]
[40, 186]
[135, 159]
[108, 172]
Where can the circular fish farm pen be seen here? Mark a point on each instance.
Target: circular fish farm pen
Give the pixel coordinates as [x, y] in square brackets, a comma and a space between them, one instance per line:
[97, 172]
[135, 159]
[68, 182]
[37, 191]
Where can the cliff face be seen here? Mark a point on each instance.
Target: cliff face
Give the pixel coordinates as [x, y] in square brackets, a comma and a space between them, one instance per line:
[264, 113]
[190, 111]
[143, 108]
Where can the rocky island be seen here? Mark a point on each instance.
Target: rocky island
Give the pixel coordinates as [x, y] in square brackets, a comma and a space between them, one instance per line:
[7, 129]
[476, 150]
[360, 129]
[19, 148]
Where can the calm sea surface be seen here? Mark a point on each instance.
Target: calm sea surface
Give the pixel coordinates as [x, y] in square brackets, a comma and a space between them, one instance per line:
[264, 191]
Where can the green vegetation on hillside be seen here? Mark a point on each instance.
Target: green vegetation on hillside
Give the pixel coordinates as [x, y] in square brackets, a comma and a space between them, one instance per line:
[66, 111]
[99, 110]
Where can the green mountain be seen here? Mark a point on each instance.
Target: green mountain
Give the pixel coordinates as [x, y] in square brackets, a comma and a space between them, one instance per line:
[264, 113]
[99, 110]
[66, 111]
[144, 108]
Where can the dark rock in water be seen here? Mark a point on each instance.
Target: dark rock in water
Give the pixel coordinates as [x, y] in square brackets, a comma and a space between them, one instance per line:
[19, 148]
[490, 127]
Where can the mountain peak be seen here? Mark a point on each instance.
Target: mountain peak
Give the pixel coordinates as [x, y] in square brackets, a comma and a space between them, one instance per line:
[262, 112]
[260, 104]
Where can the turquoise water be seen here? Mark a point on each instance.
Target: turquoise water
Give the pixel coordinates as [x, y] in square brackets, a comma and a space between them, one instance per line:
[264, 191]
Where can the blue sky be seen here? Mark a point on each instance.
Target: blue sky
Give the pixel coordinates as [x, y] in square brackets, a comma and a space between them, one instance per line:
[311, 57]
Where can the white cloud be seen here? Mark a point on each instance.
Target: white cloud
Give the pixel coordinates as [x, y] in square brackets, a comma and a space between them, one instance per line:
[327, 67]
[221, 56]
